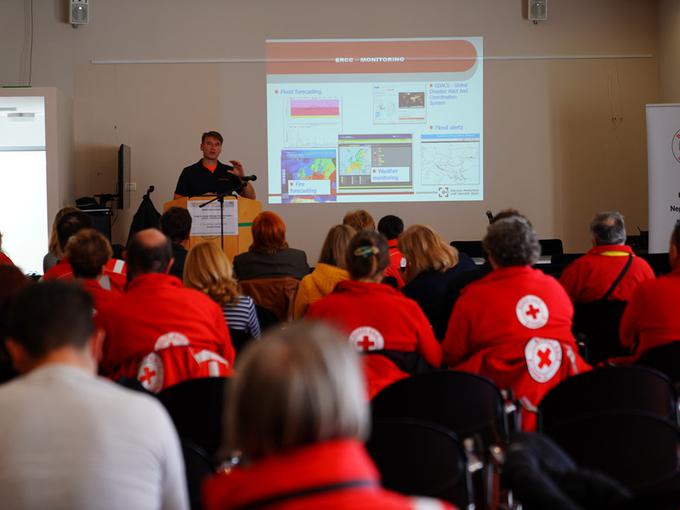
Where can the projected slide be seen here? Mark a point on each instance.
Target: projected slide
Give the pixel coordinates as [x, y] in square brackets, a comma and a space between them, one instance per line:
[375, 120]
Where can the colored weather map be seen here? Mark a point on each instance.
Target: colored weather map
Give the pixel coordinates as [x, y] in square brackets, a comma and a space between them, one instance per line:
[355, 160]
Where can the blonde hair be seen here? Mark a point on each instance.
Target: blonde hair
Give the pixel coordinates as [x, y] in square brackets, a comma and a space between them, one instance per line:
[424, 249]
[297, 386]
[334, 249]
[208, 269]
[359, 220]
[53, 246]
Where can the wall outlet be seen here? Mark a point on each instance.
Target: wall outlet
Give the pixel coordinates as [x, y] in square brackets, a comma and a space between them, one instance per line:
[130, 186]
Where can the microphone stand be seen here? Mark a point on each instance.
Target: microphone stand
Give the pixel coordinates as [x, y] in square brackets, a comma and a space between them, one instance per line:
[227, 190]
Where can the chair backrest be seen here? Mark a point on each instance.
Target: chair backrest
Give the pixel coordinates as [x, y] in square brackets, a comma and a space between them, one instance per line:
[665, 359]
[196, 408]
[637, 449]
[470, 248]
[630, 388]
[596, 324]
[659, 262]
[464, 403]
[239, 339]
[266, 318]
[420, 459]
[274, 294]
[197, 467]
[551, 247]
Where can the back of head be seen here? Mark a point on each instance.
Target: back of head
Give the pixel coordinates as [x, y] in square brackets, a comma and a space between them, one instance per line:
[269, 233]
[608, 228]
[368, 255]
[87, 252]
[53, 246]
[391, 226]
[176, 224]
[334, 249]
[512, 242]
[295, 387]
[12, 280]
[208, 269]
[71, 223]
[424, 249]
[49, 316]
[359, 220]
[149, 251]
[506, 213]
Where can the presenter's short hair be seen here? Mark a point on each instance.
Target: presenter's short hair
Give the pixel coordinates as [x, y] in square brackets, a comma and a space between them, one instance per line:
[269, 233]
[87, 252]
[334, 249]
[359, 220]
[297, 386]
[212, 134]
[512, 241]
[71, 223]
[608, 228]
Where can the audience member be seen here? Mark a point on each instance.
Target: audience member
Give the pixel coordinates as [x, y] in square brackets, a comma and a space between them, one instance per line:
[87, 252]
[208, 270]
[330, 270]
[431, 265]
[297, 418]
[359, 220]
[54, 252]
[651, 318]
[158, 331]
[391, 227]
[176, 225]
[12, 280]
[390, 329]
[4, 259]
[588, 278]
[514, 325]
[70, 224]
[269, 255]
[70, 439]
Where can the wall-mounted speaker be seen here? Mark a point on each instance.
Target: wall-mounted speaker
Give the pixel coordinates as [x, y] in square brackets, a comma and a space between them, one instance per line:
[79, 12]
[538, 10]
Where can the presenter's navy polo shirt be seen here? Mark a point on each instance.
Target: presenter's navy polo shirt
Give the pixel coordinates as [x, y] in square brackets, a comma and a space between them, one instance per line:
[197, 180]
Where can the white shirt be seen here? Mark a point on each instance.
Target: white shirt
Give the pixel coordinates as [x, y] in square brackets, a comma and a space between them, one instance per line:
[71, 440]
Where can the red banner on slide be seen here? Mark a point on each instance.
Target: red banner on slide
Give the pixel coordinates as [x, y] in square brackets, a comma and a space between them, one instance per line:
[352, 57]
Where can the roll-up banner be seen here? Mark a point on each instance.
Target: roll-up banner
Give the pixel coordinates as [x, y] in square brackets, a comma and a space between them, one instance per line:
[663, 156]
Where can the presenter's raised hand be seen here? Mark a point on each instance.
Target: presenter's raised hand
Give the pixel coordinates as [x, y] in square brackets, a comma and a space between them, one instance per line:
[238, 167]
[248, 191]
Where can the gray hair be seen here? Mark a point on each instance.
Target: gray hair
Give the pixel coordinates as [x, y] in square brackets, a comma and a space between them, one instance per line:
[512, 241]
[296, 386]
[608, 228]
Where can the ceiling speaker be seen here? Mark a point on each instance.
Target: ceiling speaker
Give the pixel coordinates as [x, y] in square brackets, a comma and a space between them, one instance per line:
[538, 10]
[79, 12]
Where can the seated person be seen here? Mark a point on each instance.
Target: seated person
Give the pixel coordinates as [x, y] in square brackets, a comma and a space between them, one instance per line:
[87, 252]
[359, 220]
[158, 331]
[4, 259]
[390, 329]
[269, 255]
[391, 227]
[514, 325]
[12, 280]
[71, 439]
[208, 270]
[54, 252]
[69, 224]
[431, 266]
[297, 420]
[651, 318]
[176, 225]
[588, 278]
[329, 271]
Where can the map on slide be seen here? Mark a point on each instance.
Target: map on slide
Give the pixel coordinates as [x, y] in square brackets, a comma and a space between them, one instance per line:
[355, 160]
[450, 163]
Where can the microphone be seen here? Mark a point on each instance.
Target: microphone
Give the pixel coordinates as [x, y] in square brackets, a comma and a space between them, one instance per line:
[489, 216]
[247, 178]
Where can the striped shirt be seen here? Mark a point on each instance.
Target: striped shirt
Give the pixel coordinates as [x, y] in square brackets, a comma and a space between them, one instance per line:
[241, 316]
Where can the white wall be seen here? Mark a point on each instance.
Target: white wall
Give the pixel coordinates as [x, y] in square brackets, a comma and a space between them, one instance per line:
[551, 146]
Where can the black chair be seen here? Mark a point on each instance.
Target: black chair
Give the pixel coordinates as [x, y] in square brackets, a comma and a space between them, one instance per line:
[197, 467]
[665, 359]
[596, 328]
[196, 408]
[608, 389]
[420, 459]
[639, 450]
[471, 248]
[239, 339]
[550, 247]
[659, 262]
[266, 317]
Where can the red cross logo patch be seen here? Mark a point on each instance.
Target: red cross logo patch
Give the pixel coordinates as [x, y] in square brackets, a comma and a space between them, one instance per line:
[173, 338]
[532, 312]
[543, 358]
[366, 338]
[151, 372]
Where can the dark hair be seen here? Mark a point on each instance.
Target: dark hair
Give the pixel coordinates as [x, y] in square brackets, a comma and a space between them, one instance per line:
[144, 258]
[176, 224]
[87, 251]
[50, 315]
[608, 228]
[212, 134]
[12, 280]
[367, 255]
[507, 213]
[512, 242]
[391, 226]
[675, 235]
[71, 223]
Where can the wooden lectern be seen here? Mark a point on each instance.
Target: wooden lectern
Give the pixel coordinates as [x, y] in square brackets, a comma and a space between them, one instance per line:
[234, 243]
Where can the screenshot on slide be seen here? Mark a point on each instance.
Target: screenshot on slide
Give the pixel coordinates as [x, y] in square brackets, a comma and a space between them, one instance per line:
[375, 120]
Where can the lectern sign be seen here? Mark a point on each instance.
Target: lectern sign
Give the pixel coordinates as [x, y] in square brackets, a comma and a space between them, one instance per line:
[205, 221]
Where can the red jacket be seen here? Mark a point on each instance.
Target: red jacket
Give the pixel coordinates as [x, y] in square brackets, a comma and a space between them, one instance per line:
[163, 333]
[377, 317]
[115, 269]
[100, 295]
[394, 269]
[514, 327]
[589, 277]
[300, 469]
[5, 260]
[652, 317]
